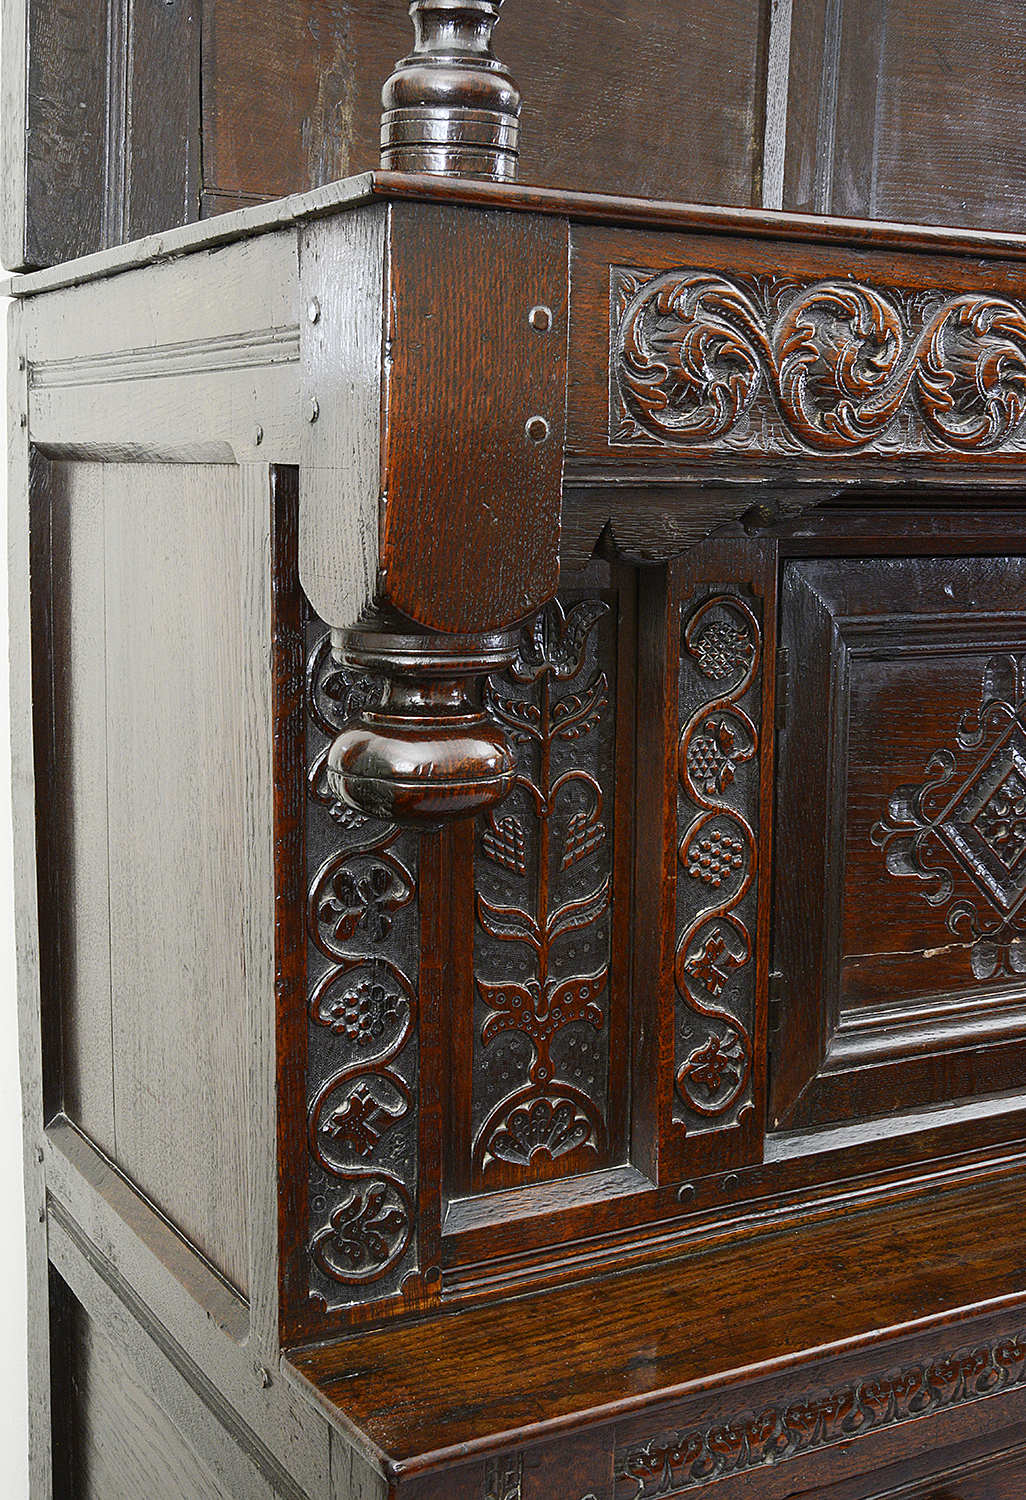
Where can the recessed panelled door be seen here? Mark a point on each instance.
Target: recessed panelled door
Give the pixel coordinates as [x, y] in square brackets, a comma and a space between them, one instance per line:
[901, 919]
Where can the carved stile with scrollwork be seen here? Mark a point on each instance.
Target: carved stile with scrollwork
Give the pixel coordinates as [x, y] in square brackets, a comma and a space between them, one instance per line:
[718, 858]
[362, 1070]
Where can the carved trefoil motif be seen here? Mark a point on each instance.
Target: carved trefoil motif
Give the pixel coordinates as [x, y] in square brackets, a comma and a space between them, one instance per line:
[677, 1461]
[543, 878]
[767, 364]
[717, 854]
[362, 943]
[968, 815]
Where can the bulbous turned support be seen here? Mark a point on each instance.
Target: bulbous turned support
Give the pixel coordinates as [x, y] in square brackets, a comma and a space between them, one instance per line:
[451, 107]
[428, 752]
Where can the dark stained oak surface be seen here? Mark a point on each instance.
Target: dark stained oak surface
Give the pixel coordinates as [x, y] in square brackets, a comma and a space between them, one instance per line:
[608, 1163]
[539, 1362]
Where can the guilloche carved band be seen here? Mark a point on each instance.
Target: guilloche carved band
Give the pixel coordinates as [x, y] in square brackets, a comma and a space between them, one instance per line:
[765, 364]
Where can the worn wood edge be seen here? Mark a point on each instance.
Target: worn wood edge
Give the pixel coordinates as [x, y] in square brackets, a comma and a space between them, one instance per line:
[257, 728]
[155, 1354]
[26, 912]
[343, 270]
[106, 1211]
[340, 1422]
[204, 234]
[660, 1400]
[13, 131]
[70, 1152]
[637, 213]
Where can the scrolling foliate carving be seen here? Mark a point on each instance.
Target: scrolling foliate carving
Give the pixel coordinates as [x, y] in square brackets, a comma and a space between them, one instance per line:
[970, 816]
[770, 364]
[717, 850]
[673, 1462]
[544, 883]
[362, 1050]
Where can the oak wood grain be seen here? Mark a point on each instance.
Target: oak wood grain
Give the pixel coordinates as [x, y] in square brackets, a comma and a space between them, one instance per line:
[541, 1360]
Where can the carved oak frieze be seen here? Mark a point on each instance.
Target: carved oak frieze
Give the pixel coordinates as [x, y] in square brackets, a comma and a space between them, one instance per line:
[775, 365]
[362, 1047]
[718, 809]
[678, 1461]
[972, 818]
[544, 887]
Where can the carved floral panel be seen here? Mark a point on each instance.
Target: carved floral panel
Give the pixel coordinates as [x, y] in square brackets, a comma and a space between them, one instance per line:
[773, 364]
[717, 858]
[543, 878]
[362, 946]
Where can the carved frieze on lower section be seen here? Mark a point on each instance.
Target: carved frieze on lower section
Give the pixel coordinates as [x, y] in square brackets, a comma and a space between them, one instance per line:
[678, 1461]
[968, 815]
[543, 877]
[718, 858]
[362, 945]
[769, 364]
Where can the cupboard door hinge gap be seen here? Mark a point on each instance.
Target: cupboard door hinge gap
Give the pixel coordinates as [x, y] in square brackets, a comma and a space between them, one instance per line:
[782, 687]
[775, 1012]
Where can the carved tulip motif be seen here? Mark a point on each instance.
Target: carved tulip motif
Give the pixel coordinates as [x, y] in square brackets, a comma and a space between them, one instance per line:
[557, 827]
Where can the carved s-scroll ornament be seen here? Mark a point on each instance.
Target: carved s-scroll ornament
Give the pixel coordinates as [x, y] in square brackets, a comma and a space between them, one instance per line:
[718, 775]
[362, 1002]
[678, 1461]
[757, 363]
[972, 820]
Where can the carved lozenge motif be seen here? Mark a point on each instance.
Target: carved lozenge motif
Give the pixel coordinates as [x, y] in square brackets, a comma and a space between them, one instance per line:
[759, 363]
[968, 815]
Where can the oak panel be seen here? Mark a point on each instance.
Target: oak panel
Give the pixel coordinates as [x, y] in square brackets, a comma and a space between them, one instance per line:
[178, 753]
[123, 1446]
[292, 94]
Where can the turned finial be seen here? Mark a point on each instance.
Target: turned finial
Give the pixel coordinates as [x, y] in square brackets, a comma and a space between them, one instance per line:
[451, 107]
[428, 752]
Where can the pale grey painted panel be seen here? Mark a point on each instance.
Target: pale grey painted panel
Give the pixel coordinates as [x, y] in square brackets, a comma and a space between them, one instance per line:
[191, 361]
[76, 807]
[124, 1446]
[184, 744]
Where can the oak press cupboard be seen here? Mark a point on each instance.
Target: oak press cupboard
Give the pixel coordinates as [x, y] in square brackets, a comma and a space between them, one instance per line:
[520, 746]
